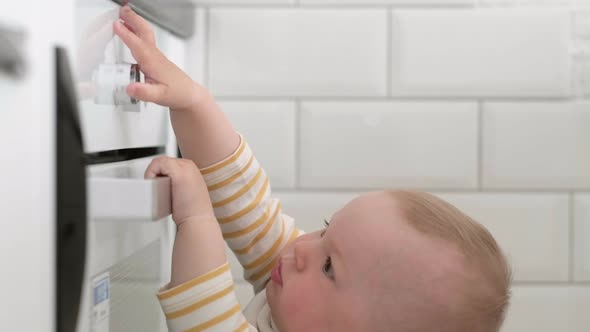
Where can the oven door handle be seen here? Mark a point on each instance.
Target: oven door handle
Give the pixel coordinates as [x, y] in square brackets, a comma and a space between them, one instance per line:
[129, 199]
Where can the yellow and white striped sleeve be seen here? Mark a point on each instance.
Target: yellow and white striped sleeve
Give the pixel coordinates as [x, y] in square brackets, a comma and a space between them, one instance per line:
[251, 220]
[206, 303]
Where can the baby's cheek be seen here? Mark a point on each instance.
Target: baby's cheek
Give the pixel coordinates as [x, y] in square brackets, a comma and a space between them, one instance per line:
[285, 311]
[304, 304]
[294, 300]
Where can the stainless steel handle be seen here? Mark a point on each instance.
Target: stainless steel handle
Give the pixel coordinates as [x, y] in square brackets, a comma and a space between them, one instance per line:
[12, 60]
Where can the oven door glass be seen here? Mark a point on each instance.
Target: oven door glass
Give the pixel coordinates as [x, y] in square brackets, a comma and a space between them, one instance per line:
[128, 249]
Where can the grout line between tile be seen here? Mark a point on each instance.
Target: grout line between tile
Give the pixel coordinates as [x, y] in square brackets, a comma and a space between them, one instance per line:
[297, 3]
[328, 189]
[298, 135]
[550, 283]
[207, 51]
[394, 98]
[480, 145]
[389, 52]
[572, 239]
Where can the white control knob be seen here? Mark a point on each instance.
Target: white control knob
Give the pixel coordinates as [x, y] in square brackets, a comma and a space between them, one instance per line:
[111, 81]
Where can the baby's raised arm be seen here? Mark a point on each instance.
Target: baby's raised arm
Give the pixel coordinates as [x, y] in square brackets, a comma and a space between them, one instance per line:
[252, 221]
[203, 132]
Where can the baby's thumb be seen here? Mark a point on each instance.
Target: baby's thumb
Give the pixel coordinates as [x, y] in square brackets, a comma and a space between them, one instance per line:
[152, 93]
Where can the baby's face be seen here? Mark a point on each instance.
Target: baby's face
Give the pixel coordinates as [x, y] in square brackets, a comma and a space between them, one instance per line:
[326, 276]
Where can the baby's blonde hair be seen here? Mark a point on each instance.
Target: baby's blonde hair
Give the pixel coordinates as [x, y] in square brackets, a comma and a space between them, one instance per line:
[483, 304]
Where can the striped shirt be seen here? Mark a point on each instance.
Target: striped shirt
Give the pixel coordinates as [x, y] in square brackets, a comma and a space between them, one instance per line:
[254, 228]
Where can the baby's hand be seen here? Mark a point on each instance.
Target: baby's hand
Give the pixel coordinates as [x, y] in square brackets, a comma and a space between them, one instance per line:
[190, 197]
[166, 84]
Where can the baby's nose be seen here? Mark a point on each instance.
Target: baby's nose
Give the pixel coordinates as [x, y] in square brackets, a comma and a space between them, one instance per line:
[301, 251]
[292, 259]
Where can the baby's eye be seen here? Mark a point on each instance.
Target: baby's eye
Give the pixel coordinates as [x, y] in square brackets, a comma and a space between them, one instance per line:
[327, 268]
[327, 223]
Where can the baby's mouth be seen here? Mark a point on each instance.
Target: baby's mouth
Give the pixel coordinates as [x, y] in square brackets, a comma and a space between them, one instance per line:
[276, 273]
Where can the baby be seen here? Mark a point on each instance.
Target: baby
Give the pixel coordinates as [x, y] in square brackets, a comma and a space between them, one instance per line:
[387, 261]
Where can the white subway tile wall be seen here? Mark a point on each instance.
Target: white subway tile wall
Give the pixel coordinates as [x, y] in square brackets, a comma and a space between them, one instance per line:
[549, 309]
[536, 145]
[533, 229]
[293, 52]
[404, 144]
[477, 53]
[477, 104]
[270, 130]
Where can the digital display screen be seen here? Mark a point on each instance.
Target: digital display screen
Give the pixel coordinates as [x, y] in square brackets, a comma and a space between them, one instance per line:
[101, 291]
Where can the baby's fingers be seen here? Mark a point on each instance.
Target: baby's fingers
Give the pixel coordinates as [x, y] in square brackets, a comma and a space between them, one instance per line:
[161, 166]
[138, 24]
[127, 36]
[153, 93]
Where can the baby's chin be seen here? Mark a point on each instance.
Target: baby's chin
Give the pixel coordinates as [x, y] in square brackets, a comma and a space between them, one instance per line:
[271, 294]
[271, 298]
